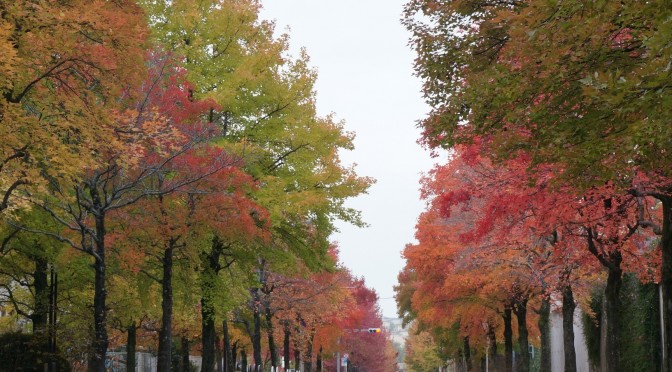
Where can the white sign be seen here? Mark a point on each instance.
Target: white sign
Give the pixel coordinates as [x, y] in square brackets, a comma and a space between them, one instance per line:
[344, 360]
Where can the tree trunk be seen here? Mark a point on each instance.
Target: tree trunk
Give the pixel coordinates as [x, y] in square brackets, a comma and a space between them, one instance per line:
[308, 358]
[208, 278]
[297, 357]
[256, 335]
[207, 335]
[218, 352]
[40, 315]
[229, 361]
[508, 340]
[285, 344]
[612, 262]
[44, 296]
[234, 354]
[185, 354]
[666, 284]
[492, 341]
[271, 340]
[165, 333]
[568, 306]
[613, 314]
[520, 309]
[467, 353]
[97, 357]
[243, 360]
[544, 324]
[53, 312]
[318, 366]
[130, 347]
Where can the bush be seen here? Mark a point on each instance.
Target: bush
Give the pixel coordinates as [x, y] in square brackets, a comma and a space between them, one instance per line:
[25, 352]
[640, 332]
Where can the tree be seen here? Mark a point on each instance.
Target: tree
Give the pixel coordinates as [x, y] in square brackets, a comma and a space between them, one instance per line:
[156, 149]
[215, 213]
[265, 111]
[367, 352]
[592, 102]
[518, 76]
[308, 308]
[422, 352]
[26, 261]
[65, 67]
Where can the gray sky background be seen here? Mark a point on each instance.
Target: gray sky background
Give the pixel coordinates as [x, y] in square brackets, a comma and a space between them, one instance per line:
[366, 78]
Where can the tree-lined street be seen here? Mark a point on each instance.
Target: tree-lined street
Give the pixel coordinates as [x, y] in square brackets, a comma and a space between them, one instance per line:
[170, 191]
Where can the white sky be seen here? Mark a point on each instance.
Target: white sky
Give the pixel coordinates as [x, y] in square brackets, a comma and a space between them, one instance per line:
[366, 78]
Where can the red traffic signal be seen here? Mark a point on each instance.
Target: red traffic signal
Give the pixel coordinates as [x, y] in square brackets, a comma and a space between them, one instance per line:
[374, 330]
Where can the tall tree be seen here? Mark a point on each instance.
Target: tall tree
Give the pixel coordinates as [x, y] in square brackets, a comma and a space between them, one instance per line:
[265, 110]
[125, 179]
[593, 102]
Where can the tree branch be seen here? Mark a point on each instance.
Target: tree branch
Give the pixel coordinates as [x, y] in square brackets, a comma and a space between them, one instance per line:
[5, 200]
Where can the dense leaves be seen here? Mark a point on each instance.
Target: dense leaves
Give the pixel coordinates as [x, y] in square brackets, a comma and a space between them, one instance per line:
[66, 70]
[554, 114]
[154, 160]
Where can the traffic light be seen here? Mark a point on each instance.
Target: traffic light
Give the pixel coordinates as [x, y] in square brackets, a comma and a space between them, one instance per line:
[374, 330]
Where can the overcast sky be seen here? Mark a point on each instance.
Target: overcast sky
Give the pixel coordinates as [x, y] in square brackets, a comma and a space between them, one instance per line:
[366, 78]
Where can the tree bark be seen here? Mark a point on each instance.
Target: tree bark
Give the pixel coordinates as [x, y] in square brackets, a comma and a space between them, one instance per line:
[243, 360]
[613, 314]
[97, 358]
[207, 335]
[165, 333]
[297, 357]
[318, 366]
[508, 339]
[234, 354]
[520, 310]
[229, 361]
[285, 344]
[256, 335]
[53, 314]
[44, 296]
[218, 353]
[308, 358]
[612, 262]
[271, 340]
[492, 341]
[130, 347]
[666, 284]
[208, 277]
[40, 315]
[185, 354]
[467, 353]
[568, 306]
[545, 333]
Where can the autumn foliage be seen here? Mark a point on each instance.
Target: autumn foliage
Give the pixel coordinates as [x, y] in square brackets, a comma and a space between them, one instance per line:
[556, 180]
[167, 172]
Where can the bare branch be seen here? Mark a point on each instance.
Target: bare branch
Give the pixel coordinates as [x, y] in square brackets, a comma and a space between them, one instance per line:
[18, 153]
[7, 239]
[58, 237]
[151, 276]
[5, 200]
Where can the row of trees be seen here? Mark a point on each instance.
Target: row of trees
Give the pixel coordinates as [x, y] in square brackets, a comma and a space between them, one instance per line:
[557, 181]
[163, 171]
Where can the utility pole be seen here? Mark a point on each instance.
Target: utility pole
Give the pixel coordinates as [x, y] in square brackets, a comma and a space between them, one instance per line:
[338, 359]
